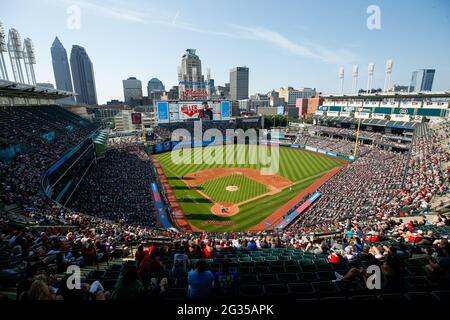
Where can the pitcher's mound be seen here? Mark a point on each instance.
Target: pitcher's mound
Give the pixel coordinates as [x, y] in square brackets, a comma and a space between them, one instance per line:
[224, 209]
[232, 188]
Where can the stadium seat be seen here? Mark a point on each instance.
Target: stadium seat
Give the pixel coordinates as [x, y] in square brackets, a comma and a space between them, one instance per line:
[334, 299]
[288, 277]
[349, 286]
[325, 287]
[308, 276]
[276, 289]
[391, 297]
[277, 269]
[248, 278]
[252, 291]
[301, 290]
[441, 295]
[267, 278]
[261, 269]
[420, 283]
[421, 297]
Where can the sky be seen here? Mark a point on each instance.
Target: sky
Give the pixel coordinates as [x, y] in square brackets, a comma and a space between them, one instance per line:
[284, 43]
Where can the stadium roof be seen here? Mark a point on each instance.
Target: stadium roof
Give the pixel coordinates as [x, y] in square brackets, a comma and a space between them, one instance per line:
[390, 95]
[21, 90]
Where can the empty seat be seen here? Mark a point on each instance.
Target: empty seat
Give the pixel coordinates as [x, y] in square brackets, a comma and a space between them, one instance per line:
[267, 278]
[307, 276]
[325, 287]
[245, 270]
[277, 269]
[391, 297]
[279, 289]
[300, 290]
[418, 282]
[420, 297]
[261, 269]
[252, 290]
[349, 286]
[441, 295]
[248, 278]
[293, 268]
[288, 277]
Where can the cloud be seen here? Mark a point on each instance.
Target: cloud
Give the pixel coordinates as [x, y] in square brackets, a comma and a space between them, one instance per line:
[117, 9]
[308, 50]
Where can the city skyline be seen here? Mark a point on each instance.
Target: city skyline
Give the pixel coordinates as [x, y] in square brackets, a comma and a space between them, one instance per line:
[299, 51]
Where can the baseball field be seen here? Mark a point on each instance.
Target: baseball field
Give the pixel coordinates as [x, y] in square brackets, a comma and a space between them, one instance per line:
[239, 196]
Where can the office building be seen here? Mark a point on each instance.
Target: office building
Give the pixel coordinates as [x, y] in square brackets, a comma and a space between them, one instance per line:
[132, 89]
[61, 67]
[83, 76]
[422, 80]
[239, 81]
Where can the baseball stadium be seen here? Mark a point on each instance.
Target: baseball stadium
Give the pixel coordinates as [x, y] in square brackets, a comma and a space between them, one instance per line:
[230, 198]
[182, 196]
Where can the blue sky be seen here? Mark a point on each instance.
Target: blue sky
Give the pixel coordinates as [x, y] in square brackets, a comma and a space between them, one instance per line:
[295, 43]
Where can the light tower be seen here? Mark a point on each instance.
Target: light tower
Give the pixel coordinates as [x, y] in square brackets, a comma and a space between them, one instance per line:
[387, 79]
[370, 70]
[354, 78]
[3, 70]
[341, 80]
[15, 54]
[29, 59]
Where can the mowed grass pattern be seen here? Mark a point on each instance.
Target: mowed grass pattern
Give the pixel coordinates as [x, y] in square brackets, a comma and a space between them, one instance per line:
[299, 166]
[247, 189]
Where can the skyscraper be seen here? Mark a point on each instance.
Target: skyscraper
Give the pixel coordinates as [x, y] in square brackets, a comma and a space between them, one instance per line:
[83, 75]
[422, 80]
[239, 83]
[154, 85]
[132, 89]
[61, 68]
[190, 77]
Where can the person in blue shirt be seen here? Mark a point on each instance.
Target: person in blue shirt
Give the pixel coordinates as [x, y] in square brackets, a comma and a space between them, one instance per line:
[226, 283]
[251, 245]
[200, 282]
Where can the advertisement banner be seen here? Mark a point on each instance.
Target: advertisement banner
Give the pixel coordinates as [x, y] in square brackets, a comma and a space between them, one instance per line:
[379, 116]
[389, 104]
[225, 110]
[162, 109]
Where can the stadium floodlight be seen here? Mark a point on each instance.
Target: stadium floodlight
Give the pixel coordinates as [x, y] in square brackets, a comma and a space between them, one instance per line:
[387, 79]
[3, 48]
[354, 78]
[341, 80]
[15, 54]
[370, 71]
[29, 60]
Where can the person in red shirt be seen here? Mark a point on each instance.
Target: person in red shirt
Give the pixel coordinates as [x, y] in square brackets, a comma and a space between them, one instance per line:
[335, 257]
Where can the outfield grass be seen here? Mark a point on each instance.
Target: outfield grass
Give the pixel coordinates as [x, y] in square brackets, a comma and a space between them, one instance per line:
[247, 189]
[299, 166]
